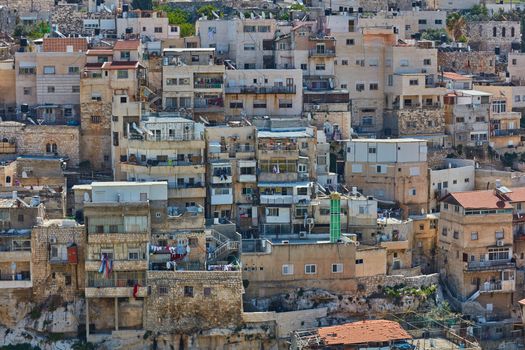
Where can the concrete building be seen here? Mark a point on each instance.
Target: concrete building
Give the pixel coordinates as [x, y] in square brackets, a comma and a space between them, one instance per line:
[396, 237]
[232, 175]
[516, 60]
[467, 117]
[475, 249]
[452, 175]
[424, 242]
[146, 25]
[7, 81]
[390, 170]
[467, 62]
[270, 92]
[48, 81]
[193, 81]
[166, 147]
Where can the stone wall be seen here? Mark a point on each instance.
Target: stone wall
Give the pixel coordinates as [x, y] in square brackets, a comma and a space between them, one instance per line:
[170, 308]
[51, 279]
[419, 121]
[95, 140]
[481, 35]
[472, 62]
[32, 139]
[29, 5]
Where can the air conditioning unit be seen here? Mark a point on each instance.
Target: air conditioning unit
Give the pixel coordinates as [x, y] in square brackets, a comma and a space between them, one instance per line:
[52, 239]
[310, 221]
[302, 234]
[500, 243]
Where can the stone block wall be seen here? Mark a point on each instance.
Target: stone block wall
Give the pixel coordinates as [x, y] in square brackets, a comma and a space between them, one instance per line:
[486, 36]
[473, 62]
[170, 308]
[66, 280]
[32, 139]
[29, 5]
[420, 121]
[95, 140]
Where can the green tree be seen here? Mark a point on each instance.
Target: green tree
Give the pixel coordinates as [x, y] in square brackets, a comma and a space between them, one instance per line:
[207, 10]
[187, 29]
[434, 34]
[456, 25]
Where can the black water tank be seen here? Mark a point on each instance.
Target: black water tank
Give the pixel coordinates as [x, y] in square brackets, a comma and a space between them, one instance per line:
[515, 45]
[497, 51]
[125, 7]
[23, 42]
[24, 108]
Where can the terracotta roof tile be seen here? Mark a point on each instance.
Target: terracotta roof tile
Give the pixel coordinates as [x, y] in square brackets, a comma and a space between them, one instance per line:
[61, 44]
[363, 332]
[517, 194]
[120, 65]
[126, 45]
[99, 52]
[455, 76]
[477, 200]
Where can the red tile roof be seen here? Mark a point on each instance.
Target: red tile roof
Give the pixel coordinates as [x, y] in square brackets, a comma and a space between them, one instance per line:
[99, 52]
[455, 76]
[517, 194]
[126, 45]
[370, 331]
[477, 200]
[61, 44]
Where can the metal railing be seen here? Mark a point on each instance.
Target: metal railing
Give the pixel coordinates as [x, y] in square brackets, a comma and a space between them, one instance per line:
[207, 85]
[114, 283]
[324, 53]
[491, 264]
[261, 89]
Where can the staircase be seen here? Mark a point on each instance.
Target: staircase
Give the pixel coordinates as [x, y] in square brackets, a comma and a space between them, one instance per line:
[225, 246]
[474, 296]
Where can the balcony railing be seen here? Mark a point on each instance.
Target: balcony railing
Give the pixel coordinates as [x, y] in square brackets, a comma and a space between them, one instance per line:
[207, 85]
[490, 265]
[509, 132]
[321, 53]
[111, 283]
[15, 277]
[261, 89]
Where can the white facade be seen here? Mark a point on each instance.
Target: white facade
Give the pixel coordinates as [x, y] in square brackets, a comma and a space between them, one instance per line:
[386, 151]
[103, 192]
[454, 175]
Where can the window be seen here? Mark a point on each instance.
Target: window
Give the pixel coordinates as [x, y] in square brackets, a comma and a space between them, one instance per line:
[344, 62]
[444, 232]
[350, 42]
[163, 290]
[499, 254]
[503, 31]
[310, 269]
[359, 261]
[49, 70]
[500, 235]
[360, 63]
[422, 21]
[171, 81]
[73, 70]
[287, 269]
[403, 63]
[373, 62]
[27, 91]
[133, 254]
[188, 291]
[380, 169]
[456, 235]
[263, 29]
[285, 103]
[473, 236]
[157, 30]
[374, 86]
[75, 89]
[249, 29]
[20, 217]
[499, 106]
[494, 31]
[123, 99]
[125, 55]
[427, 62]
[360, 87]
[337, 268]
[414, 82]
[50, 89]
[324, 211]
[438, 21]
[304, 66]
[390, 80]
[320, 66]
[95, 119]
[249, 47]
[26, 70]
[272, 212]
[206, 292]
[301, 212]
[412, 192]
[371, 150]
[122, 74]
[174, 29]
[236, 104]
[512, 32]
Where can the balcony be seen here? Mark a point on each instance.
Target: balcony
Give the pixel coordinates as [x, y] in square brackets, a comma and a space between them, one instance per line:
[121, 237]
[170, 168]
[188, 191]
[321, 53]
[280, 177]
[508, 132]
[276, 199]
[490, 265]
[221, 173]
[209, 104]
[15, 256]
[247, 178]
[118, 265]
[498, 286]
[261, 89]
[113, 288]
[16, 281]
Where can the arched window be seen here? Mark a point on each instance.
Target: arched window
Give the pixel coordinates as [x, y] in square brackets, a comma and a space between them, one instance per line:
[54, 148]
[512, 32]
[503, 30]
[494, 31]
[5, 140]
[48, 148]
[8, 179]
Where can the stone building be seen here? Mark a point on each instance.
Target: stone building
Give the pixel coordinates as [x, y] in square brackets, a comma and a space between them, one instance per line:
[476, 249]
[7, 81]
[60, 141]
[467, 62]
[57, 255]
[424, 242]
[496, 36]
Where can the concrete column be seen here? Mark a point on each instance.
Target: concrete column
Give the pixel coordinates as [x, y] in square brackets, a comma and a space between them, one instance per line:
[87, 317]
[420, 100]
[401, 102]
[441, 100]
[116, 314]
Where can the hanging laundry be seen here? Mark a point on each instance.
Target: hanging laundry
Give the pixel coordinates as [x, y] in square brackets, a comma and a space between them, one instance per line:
[135, 290]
